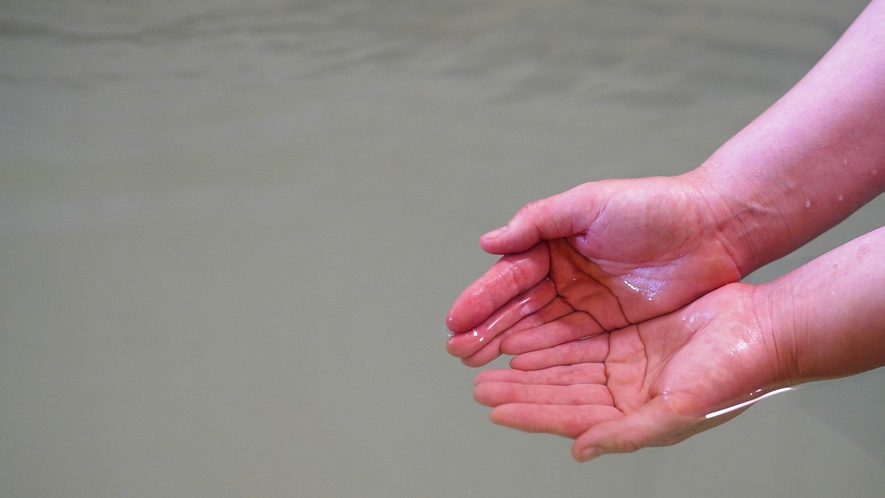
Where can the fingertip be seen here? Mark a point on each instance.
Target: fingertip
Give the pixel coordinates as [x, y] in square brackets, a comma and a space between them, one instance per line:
[473, 347]
[491, 242]
[511, 345]
[480, 378]
[588, 445]
[481, 358]
[494, 234]
[583, 454]
[509, 239]
[534, 360]
[482, 395]
[493, 246]
[465, 314]
[523, 362]
[459, 345]
[500, 415]
[455, 322]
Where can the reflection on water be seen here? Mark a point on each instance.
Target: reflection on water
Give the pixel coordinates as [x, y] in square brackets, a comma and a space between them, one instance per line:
[229, 232]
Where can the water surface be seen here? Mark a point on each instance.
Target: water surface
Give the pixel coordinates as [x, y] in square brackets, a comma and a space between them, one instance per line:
[229, 233]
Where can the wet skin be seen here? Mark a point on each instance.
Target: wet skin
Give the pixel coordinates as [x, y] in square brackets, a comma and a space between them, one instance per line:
[593, 259]
[655, 383]
[649, 384]
[624, 251]
[590, 293]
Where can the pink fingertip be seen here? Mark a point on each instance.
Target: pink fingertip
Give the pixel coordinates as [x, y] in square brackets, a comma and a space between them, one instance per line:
[494, 234]
[589, 454]
[465, 344]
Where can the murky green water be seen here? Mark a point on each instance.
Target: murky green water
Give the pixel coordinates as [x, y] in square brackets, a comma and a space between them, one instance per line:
[229, 233]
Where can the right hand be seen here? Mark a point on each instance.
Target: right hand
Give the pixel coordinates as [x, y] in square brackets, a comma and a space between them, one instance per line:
[652, 384]
[596, 258]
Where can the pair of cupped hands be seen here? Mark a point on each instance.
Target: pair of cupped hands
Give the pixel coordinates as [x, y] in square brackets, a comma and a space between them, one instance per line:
[619, 304]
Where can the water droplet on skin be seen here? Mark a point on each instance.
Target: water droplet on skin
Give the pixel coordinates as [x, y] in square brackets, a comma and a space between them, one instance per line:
[807, 203]
[647, 287]
[470, 341]
[841, 197]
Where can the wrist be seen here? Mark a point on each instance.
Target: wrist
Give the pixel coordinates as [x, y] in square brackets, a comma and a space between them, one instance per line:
[777, 318]
[748, 225]
[825, 318]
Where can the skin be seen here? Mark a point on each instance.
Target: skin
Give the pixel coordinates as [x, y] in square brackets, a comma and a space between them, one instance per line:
[649, 384]
[617, 252]
[652, 384]
[624, 251]
[644, 272]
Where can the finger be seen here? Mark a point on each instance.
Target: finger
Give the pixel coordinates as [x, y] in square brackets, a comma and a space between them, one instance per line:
[487, 353]
[506, 316]
[590, 350]
[502, 393]
[654, 424]
[510, 276]
[566, 421]
[552, 311]
[585, 373]
[563, 215]
[569, 328]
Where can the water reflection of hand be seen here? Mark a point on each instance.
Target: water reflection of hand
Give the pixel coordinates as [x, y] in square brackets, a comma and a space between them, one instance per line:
[596, 258]
[650, 384]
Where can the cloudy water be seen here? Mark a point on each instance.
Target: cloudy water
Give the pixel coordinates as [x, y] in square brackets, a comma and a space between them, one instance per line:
[230, 232]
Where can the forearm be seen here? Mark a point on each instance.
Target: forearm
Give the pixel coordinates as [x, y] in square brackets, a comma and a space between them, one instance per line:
[812, 159]
[827, 318]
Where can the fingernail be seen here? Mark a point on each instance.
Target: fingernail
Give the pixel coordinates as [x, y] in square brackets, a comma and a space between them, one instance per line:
[494, 234]
[591, 453]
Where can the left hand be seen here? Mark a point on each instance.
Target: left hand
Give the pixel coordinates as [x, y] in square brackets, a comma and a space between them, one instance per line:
[593, 259]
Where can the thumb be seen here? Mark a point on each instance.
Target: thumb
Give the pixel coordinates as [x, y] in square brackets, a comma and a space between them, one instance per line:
[654, 424]
[562, 215]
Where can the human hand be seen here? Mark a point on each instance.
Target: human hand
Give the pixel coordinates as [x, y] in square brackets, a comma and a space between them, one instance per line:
[651, 384]
[596, 258]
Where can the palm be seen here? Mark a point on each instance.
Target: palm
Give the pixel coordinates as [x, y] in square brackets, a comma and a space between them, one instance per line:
[622, 261]
[647, 384]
